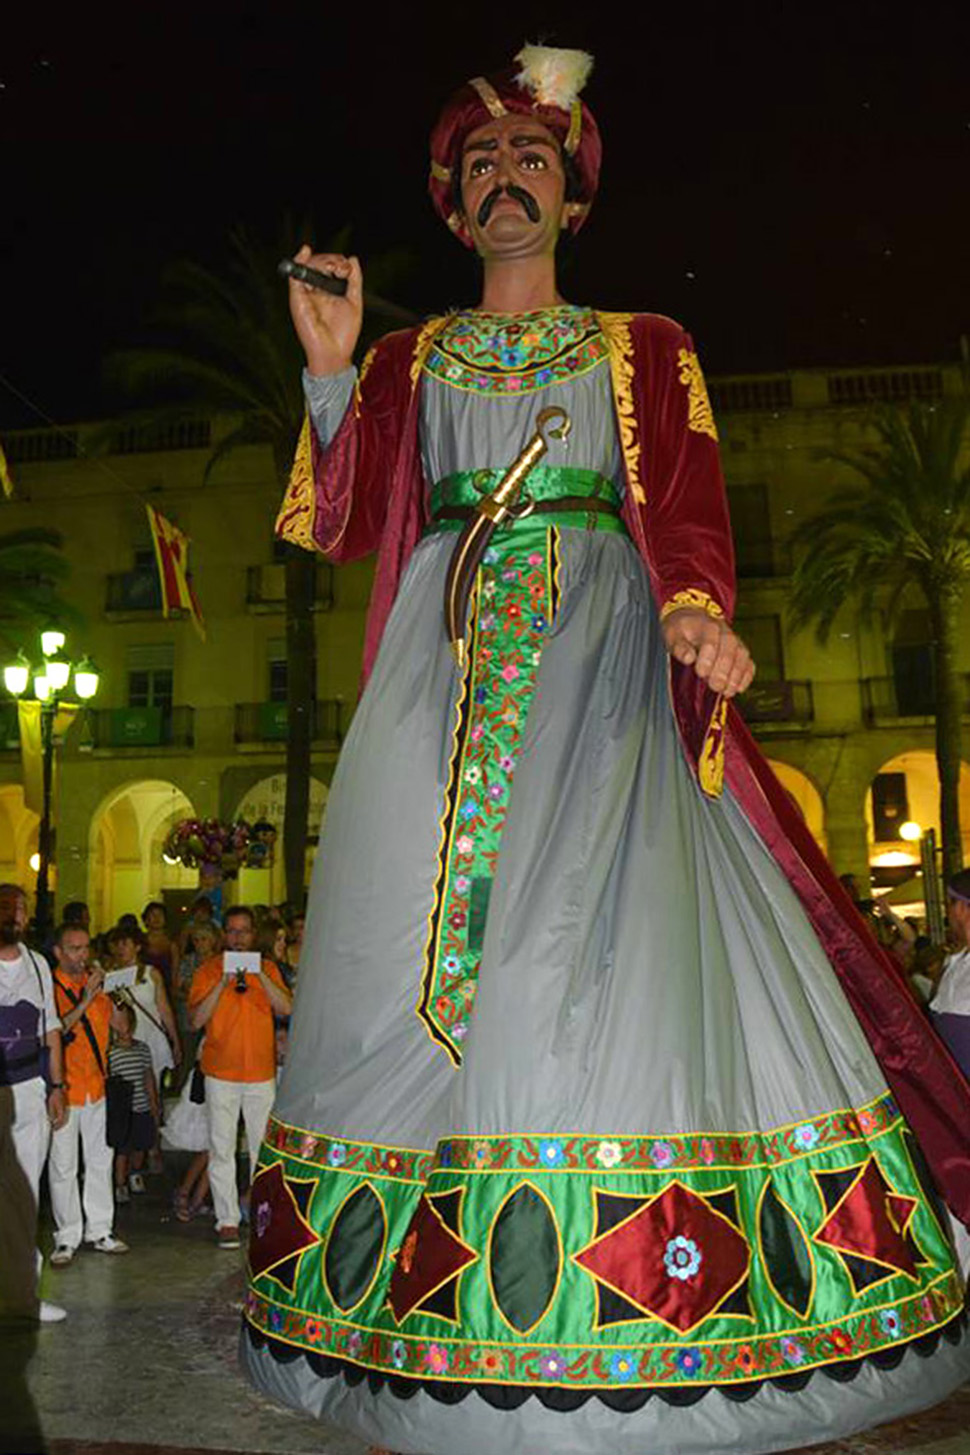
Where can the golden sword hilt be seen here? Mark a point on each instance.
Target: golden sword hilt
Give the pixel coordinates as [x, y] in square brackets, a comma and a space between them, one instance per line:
[501, 504]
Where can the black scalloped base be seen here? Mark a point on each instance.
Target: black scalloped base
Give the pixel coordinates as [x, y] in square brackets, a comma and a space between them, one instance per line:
[623, 1401]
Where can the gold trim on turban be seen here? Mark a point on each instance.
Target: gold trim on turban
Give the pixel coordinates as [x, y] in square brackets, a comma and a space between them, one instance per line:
[489, 96]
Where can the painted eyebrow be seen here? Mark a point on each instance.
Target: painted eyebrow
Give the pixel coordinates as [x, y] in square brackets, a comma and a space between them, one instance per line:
[490, 144]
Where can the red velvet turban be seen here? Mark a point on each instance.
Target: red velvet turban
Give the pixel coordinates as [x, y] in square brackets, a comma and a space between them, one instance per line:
[528, 92]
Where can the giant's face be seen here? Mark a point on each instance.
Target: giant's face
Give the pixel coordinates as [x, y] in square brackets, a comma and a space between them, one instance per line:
[512, 188]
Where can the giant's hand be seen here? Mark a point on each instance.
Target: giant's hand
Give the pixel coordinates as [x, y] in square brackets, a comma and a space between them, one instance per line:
[716, 653]
[328, 326]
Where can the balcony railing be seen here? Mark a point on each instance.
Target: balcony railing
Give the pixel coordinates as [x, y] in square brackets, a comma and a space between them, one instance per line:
[133, 591]
[142, 727]
[886, 386]
[762, 391]
[268, 722]
[266, 587]
[885, 699]
[788, 702]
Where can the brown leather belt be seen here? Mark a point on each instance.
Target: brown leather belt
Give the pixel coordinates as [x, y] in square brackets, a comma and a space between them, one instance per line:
[585, 504]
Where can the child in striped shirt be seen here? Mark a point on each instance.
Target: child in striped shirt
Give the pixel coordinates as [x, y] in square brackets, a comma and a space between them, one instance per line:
[132, 1060]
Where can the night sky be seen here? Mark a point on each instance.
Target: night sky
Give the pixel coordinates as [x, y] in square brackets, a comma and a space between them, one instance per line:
[790, 181]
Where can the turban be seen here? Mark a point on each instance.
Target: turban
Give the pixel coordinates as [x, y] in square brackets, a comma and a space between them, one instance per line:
[546, 85]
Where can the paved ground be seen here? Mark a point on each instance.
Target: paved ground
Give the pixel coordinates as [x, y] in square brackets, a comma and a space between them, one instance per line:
[145, 1364]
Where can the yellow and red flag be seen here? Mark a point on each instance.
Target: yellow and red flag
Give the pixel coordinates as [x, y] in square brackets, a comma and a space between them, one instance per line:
[6, 479]
[172, 555]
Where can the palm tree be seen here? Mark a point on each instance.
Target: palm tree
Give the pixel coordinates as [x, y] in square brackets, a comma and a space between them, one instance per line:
[31, 565]
[905, 524]
[229, 347]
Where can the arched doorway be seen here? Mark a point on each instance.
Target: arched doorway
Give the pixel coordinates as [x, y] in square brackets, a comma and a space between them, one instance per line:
[19, 829]
[907, 790]
[127, 833]
[806, 798]
[266, 800]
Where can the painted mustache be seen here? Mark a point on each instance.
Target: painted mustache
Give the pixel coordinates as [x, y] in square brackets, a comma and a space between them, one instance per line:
[518, 194]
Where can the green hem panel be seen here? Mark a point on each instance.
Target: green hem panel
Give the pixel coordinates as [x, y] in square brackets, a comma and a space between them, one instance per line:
[581, 1262]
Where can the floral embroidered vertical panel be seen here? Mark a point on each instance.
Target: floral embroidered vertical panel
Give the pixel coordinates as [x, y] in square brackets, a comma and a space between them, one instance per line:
[513, 605]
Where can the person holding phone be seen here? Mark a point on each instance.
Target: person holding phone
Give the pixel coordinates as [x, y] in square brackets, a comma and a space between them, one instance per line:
[233, 998]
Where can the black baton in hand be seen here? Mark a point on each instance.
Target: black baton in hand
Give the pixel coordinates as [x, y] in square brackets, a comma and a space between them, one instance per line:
[327, 282]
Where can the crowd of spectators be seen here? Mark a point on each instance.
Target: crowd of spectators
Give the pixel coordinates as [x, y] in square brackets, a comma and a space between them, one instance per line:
[96, 1077]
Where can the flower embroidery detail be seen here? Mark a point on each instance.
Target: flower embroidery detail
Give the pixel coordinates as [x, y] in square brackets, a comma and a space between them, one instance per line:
[841, 1342]
[609, 1154]
[481, 1153]
[745, 1359]
[337, 1155]
[552, 1366]
[465, 845]
[890, 1322]
[509, 672]
[313, 1330]
[805, 1137]
[551, 1154]
[490, 1362]
[473, 773]
[792, 1352]
[354, 1343]
[308, 1146]
[507, 764]
[682, 1258]
[399, 1354]
[622, 1368]
[689, 1362]
[437, 1358]
[707, 1151]
[662, 1154]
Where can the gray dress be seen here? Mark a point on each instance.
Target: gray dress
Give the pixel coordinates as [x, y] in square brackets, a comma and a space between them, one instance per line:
[623, 1210]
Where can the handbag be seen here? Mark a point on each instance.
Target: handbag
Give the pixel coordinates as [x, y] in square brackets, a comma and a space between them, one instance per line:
[197, 1089]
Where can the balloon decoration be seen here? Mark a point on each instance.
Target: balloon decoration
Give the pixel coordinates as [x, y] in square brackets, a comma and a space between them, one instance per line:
[196, 842]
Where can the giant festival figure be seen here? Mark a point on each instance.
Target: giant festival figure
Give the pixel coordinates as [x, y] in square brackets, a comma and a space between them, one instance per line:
[606, 1126]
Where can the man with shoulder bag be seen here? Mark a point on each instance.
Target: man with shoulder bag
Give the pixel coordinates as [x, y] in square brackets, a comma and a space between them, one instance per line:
[32, 1102]
[85, 1012]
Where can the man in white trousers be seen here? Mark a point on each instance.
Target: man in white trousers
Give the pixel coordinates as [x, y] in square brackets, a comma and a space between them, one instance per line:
[85, 1014]
[32, 1101]
[235, 1008]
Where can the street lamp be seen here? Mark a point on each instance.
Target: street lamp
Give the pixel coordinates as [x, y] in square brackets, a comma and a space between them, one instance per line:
[51, 678]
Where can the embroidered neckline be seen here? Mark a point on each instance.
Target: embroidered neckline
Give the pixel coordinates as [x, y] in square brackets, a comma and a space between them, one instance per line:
[516, 353]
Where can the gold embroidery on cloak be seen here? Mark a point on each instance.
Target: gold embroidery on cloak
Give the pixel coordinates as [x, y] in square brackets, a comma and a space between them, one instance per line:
[710, 766]
[693, 599]
[422, 346]
[700, 416]
[616, 331]
[294, 523]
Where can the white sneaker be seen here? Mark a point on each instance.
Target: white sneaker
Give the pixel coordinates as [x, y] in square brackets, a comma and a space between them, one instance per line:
[109, 1244]
[50, 1313]
[62, 1255]
[136, 1182]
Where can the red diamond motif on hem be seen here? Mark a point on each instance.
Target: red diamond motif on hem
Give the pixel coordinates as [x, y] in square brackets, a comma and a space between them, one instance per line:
[430, 1256]
[676, 1258]
[278, 1230]
[872, 1221]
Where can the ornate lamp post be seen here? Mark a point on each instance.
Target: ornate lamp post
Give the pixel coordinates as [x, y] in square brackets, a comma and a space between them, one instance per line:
[51, 680]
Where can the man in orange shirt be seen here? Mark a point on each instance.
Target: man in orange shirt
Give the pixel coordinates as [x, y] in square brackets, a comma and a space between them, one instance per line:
[238, 1059]
[85, 1012]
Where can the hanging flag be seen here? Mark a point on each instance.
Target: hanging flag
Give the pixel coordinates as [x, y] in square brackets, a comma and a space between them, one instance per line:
[6, 479]
[172, 555]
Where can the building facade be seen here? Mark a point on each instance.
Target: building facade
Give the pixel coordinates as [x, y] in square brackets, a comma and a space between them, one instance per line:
[185, 728]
